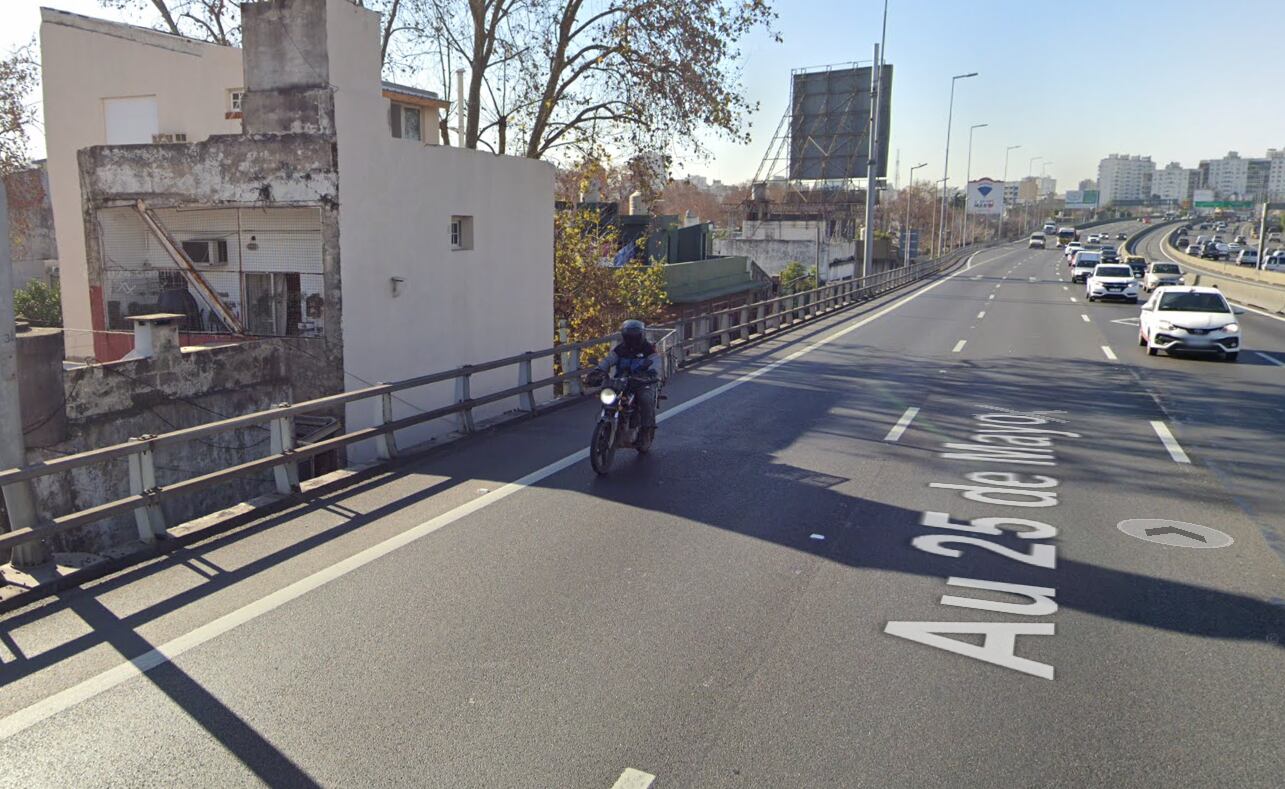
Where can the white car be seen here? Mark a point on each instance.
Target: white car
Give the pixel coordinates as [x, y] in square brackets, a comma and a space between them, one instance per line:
[1111, 281]
[1189, 319]
[1071, 249]
[1036, 241]
[1274, 262]
[1160, 275]
[1193, 249]
[1095, 239]
[1082, 267]
[1247, 257]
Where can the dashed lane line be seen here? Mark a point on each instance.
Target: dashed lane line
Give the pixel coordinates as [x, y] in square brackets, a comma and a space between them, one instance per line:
[1085, 317]
[1271, 359]
[1074, 300]
[981, 315]
[959, 346]
[1171, 444]
[904, 422]
[1110, 354]
[633, 779]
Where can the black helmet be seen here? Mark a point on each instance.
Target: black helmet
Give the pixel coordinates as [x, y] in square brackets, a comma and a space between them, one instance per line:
[631, 332]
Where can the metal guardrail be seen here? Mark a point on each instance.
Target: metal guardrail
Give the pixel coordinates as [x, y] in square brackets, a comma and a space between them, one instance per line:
[678, 344]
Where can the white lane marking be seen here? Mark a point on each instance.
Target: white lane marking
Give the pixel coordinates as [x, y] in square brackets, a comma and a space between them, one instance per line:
[988, 298]
[1085, 317]
[902, 424]
[1110, 354]
[1271, 359]
[633, 779]
[87, 689]
[1074, 300]
[1065, 287]
[1175, 449]
[1263, 313]
[959, 346]
[977, 276]
[981, 315]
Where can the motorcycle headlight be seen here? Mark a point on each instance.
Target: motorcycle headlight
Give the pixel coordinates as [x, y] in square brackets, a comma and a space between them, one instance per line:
[1165, 326]
[1232, 327]
[608, 396]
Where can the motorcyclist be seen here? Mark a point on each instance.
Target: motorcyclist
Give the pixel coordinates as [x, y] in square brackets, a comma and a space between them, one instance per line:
[634, 356]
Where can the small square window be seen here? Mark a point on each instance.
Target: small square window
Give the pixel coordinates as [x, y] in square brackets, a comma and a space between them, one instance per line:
[461, 232]
[234, 99]
[405, 121]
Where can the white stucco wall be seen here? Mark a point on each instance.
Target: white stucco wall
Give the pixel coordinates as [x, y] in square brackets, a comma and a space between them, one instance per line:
[83, 62]
[396, 199]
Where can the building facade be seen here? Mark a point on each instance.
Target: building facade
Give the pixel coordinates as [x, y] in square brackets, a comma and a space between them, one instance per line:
[1174, 183]
[1228, 176]
[1123, 178]
[1275, 174]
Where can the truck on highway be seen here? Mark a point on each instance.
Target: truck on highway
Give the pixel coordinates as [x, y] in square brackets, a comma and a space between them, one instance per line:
[1066, 235]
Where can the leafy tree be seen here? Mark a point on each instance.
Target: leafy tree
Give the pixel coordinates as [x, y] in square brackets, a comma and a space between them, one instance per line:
[18, 77]
[591, 296]
[39, 304]
[796, 278]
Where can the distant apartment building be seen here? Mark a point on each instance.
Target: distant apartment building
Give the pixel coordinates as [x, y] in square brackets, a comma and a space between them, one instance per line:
[1174, 182]
[1045, 186]
[1228, 176]
[1011, 191]
[1257, 176]
[1123, 178]
[1275, 174]
[1087, 185]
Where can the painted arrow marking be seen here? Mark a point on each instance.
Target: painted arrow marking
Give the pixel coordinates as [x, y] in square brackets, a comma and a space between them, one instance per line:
[1175, 533]
[1174, 530]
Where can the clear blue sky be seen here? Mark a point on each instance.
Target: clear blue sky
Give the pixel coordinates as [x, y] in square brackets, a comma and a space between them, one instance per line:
[1069, 81]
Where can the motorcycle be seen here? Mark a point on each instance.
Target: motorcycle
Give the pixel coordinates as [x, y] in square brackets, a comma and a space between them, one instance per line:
[620, 424]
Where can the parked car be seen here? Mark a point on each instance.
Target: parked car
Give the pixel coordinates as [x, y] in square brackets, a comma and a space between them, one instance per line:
[1247, 257]
[1189, 319]
[1137, 264]
[1111, 281]
[1085, 261]
[1162, 274]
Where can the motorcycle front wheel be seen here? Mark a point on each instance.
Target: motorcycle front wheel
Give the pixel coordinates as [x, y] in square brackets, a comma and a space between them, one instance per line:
[601, 448]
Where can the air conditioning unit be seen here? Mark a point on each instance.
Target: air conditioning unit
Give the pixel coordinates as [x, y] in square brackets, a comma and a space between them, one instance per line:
[169, 137]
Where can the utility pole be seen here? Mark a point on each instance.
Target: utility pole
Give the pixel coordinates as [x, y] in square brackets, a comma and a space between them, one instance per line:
[968, 179]
[950, 116]
[1004, 212]
[19, 503]
[867, 249]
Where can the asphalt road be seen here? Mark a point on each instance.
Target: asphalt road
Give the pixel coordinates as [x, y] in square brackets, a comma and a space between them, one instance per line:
[785, 593]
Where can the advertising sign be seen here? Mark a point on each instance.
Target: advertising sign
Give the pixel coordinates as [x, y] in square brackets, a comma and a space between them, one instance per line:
[985, 197]
[1081, 200]
[830, 123]
[1201, 197]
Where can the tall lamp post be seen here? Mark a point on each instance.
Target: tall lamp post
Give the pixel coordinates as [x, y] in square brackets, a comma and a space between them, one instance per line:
[968, 178]
[1040, 185]
[950, 116]
[910, 198]
[1004, 212]
[1026, 209]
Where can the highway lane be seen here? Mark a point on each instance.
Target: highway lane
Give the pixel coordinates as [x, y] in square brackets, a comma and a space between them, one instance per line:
[741, 607]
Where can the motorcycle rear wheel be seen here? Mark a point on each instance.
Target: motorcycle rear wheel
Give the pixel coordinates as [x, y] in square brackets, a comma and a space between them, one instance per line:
[601, 448]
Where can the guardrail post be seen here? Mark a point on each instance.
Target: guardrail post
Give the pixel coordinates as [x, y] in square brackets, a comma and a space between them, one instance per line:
[680, 342]
[745, 322]
[707, 330]
[570, 361]
[725, 322]
[463, 386]
[385, 443]
[527, 398]
[286, 475]
[142, 482]
[760, 326]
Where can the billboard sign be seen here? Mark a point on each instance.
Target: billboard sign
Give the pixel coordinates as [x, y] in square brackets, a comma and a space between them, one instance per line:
[985, 197]
[830, 124]
[1081, 199]
[1202, 197]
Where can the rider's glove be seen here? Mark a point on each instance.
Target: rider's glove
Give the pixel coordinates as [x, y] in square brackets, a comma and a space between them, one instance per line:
[595, 377]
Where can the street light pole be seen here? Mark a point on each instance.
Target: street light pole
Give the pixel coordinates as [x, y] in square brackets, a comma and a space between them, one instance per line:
[910, 198]
[968, 179]
[1026, 208]
[1004, 212]
[950, 116]
[868, 245]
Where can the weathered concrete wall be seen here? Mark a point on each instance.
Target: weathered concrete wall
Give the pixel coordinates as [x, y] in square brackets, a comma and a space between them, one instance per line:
[40, 386]
[84, 61]
[774, 254]
[111, 403]
[31, 225]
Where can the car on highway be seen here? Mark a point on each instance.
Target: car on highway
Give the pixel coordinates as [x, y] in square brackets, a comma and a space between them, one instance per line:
[1161, 274]
[1049, 228]
[1193, 248]
[1233, 249]
[1273, 238]
[1036, 241]
[1274, 262]
[1136, 263]
[1247, 257]
[1094, 238]
[1240, 240]
[1111, 281]
[1180, 242]
[1121, 236]
[1109, 255]
[1209, 251]
[1085, 261]
[1189, 319]
[1071, 249]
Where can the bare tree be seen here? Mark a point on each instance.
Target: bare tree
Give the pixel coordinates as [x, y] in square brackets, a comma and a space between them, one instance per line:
[634, 75]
